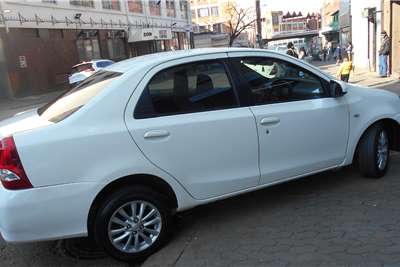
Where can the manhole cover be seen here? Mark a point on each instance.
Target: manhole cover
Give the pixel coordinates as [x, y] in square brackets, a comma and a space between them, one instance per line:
[83, 248]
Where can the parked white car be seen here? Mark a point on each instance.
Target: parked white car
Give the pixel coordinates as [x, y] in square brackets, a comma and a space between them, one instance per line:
[145, 138]
[84, 69]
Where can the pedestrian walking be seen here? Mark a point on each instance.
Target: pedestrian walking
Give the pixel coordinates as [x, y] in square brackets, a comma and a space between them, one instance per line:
[324, 53]
[384, 53]
[345, 69]
[329, 50]
[302, 53]
[338, 54]
[349, 50]
[291, 50]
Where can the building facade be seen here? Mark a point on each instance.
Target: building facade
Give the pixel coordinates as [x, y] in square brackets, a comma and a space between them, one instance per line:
[391, 24]
[366, 32]
[41, 40]
[344, 22]
[330, 22]
[210, 23]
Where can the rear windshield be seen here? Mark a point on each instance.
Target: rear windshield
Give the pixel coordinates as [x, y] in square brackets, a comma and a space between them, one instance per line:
[71, 101]
[81, 67]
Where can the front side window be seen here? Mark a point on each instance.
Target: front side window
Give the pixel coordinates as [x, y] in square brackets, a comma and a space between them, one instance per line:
[187, 88]
[76, 98]
[272, 81]
[104, 64]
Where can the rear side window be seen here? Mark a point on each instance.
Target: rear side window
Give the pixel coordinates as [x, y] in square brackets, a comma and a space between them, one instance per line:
[194, 87]
[82, 67]
[103, 64]
[74, 99]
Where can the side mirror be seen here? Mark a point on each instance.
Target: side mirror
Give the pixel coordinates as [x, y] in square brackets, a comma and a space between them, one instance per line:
[336, 89]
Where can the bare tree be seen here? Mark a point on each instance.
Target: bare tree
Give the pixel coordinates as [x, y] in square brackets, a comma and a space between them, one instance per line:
[239, 20]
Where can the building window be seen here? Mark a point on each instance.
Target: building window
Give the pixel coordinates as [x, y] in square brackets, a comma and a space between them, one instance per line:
[111, 4]
[183, 4]
[218, 27]
[116, 48]
[170, 8]
[83, 3]
[155, 9]
[203, 12]
[88, 49]
[135, 6]
[214, 11]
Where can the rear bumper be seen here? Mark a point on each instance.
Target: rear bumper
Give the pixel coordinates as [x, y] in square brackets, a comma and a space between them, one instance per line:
[45, 213]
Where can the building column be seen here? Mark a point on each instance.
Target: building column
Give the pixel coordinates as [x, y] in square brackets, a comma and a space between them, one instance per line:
[5, 90]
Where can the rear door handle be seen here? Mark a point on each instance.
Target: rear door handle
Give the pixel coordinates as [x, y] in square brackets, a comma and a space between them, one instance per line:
[156, 134]
[270, 121]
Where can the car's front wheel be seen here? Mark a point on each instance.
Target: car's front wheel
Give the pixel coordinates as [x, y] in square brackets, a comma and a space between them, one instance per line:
[374, 152]
[132, 223]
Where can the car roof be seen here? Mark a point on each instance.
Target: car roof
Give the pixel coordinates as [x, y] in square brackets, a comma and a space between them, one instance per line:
[158, 58]
[91, 62]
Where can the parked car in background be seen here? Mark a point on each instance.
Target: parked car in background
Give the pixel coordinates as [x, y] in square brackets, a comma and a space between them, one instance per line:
[84, 69]
[117, 156]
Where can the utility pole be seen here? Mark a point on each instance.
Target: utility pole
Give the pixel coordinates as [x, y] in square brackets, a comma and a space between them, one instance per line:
[258, 21]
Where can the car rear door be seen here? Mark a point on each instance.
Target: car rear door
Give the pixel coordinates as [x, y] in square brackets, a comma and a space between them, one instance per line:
[186, 119]
[301, 128]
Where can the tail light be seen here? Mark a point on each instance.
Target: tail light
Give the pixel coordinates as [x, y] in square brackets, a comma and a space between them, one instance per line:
[91, 69]
[12, 173]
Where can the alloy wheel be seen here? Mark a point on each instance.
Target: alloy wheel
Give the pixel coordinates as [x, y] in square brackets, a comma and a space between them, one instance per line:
[134, 226]
[382, 150]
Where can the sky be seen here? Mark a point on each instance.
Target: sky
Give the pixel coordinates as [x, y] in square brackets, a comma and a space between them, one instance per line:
[292, 5]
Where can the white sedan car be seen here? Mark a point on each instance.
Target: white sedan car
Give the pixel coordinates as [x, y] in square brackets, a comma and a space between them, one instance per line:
[117, 156]
[84, 69]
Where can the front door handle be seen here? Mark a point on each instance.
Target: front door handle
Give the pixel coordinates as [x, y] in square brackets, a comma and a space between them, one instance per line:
[270, 121]
[156, 134]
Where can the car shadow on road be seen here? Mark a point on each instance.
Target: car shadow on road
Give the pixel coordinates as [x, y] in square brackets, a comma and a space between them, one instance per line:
[328, 214]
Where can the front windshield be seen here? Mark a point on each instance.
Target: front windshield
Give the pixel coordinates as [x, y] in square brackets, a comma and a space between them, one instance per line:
[71, 101]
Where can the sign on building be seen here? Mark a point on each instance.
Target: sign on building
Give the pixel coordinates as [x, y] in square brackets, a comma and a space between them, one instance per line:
[23, 64]
[148, 34]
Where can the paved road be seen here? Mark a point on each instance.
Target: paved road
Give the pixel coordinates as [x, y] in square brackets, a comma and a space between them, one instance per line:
[331, 219]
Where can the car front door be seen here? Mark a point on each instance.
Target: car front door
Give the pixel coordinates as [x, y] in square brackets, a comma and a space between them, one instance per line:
[301, 129]
[187, 121]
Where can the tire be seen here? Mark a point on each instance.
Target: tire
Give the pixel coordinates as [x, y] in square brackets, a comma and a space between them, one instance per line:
[369, 151]
[106, 220]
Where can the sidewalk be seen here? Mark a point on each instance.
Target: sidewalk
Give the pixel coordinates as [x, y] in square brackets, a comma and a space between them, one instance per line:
[363, 77]
[11, 106]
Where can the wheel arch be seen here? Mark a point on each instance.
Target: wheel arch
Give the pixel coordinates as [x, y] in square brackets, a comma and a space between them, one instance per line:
[153, 182]
[394, 134]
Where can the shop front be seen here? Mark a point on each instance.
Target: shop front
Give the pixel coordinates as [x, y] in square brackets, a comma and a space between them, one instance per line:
[152, 40]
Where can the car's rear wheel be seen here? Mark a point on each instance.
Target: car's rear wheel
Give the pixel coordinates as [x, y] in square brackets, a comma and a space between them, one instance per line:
[374, 152]
[132, 223]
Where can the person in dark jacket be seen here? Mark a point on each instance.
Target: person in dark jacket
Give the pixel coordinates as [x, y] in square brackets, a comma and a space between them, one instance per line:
[291, 50]
[384, 52]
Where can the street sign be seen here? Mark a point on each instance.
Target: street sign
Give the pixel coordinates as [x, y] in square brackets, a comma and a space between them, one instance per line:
[23, 64]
